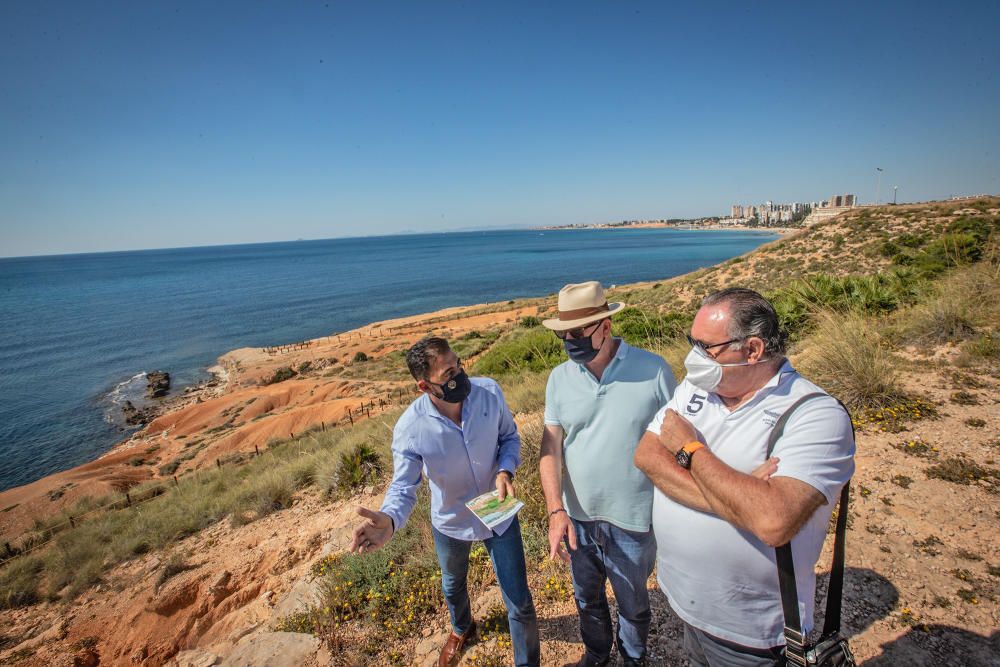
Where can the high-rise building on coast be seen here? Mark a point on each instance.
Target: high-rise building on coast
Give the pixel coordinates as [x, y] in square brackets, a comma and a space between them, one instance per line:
[840, 201]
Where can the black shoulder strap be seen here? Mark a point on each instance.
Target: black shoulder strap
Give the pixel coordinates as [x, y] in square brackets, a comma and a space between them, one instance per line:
[795, 641]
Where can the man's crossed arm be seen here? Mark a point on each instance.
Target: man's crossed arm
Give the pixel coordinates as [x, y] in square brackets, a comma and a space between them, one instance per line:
[772, 508]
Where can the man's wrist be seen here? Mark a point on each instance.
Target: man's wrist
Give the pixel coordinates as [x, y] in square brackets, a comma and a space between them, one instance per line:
[684, 454]
[558, 510]
[669, 443]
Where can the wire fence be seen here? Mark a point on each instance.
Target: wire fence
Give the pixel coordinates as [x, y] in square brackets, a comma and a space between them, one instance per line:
[39, 539]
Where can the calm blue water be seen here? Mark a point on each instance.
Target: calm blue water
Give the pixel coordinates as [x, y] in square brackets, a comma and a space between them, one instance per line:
[77, 327]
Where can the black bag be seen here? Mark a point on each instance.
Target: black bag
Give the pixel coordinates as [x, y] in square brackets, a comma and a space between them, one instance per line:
[831, 650]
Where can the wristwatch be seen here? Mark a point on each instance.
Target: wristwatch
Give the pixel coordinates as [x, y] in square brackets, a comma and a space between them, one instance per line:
[683, 457]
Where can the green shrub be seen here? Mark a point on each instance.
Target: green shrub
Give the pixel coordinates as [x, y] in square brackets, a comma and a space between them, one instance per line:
[911, 240]
[305, 366]
[391, 592]
[646, 329]
[280, 375]
[360, 356]
[529, 321]
[470, 345]
[965, 241]
[522, 350]
[888, 249]
[954, 248]
[358, 467]
[871, 295]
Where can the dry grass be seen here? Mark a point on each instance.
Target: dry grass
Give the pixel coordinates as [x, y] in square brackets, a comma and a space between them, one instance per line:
[962, 303]
[848, 358]
[79, 557]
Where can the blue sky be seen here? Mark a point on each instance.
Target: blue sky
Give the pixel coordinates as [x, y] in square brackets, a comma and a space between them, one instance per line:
[162, 124]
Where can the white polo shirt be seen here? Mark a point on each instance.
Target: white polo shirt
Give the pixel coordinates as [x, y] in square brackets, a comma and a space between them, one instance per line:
[723, 580]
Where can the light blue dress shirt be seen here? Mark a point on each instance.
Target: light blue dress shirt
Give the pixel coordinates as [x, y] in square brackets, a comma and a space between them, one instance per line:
[460, 462]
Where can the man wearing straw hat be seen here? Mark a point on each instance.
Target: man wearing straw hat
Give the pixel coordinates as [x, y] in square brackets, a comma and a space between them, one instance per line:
[597, 406]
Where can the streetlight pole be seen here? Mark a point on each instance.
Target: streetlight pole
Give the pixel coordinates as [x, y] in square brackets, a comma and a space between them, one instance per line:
[894, 188]
[878, 186]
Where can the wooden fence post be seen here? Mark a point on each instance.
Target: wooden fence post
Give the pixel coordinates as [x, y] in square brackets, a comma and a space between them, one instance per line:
[218, 463]
[176, 483]
[128, 499]
[256, 450]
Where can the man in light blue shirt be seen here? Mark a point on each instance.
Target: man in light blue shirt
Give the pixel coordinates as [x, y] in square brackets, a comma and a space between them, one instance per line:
[597, 406]
[461, 435]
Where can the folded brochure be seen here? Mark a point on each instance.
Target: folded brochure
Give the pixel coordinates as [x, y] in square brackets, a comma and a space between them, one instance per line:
[491, 510]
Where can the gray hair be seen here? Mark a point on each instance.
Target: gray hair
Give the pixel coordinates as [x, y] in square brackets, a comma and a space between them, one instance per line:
[750, 314]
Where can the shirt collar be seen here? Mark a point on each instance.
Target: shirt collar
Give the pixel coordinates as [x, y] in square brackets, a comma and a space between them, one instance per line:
[775, 380]
[772, 383]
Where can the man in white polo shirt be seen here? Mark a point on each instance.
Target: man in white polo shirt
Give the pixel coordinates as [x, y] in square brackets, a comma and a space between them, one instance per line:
[597, 406]
[720, 508]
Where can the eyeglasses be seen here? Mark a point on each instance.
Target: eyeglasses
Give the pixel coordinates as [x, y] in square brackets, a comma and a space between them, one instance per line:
[705, 347]
[579, 332]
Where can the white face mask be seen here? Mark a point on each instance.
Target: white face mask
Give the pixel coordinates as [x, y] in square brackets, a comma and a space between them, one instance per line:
[705, 372]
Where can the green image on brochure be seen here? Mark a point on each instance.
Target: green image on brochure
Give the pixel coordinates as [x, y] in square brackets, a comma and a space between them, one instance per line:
[491, 510]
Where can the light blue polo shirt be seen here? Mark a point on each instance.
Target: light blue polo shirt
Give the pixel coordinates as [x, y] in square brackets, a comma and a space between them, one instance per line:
[603, 422]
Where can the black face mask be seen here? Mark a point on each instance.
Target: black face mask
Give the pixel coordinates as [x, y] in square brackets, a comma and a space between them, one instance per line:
[456, 389]
[581, 350]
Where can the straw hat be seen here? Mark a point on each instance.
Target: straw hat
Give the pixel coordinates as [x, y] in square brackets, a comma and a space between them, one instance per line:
[580, 304]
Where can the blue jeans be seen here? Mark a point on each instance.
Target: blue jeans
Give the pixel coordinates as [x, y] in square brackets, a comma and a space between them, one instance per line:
[625, 557]
[507, 554]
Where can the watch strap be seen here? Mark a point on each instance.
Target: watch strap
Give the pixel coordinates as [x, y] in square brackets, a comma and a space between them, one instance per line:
[693, 446]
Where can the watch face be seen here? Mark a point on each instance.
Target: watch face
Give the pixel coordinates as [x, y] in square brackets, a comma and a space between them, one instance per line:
[683, 459]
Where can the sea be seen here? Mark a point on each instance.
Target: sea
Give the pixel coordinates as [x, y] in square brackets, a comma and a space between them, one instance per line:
[78, 333]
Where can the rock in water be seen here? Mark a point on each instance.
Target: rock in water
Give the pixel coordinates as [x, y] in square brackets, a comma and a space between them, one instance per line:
[157, 384]
[133, 415]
